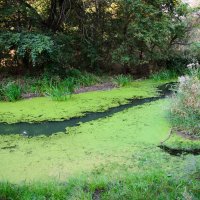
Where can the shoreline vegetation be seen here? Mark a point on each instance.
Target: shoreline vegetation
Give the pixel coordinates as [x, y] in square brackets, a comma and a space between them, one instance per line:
[153, 185]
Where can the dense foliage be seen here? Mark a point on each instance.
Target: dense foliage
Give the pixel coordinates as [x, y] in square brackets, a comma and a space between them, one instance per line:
[56, 35]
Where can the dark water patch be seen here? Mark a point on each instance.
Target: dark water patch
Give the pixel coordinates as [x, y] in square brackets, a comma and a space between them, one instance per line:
[50, 127]
[179, 152]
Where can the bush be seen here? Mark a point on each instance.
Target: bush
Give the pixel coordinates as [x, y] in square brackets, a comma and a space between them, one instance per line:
[185, 109]
[122, 80]
[74, 73]
[10, 92]
[33, 47]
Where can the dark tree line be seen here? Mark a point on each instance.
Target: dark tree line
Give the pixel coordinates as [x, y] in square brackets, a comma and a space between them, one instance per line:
[90, 34]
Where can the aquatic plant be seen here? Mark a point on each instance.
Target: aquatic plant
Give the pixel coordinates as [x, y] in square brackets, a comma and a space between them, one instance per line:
[59, 93]
[164, 75]
[123, 80]
[87, 79]
[50, 84]
[185, 108]
[11, 91]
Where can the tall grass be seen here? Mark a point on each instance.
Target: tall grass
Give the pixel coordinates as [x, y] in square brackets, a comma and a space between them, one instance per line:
[164, 75]
[83, 78]
[61, 91]
[10, 92]
[87, 79]
[53, 86]
[123, 80]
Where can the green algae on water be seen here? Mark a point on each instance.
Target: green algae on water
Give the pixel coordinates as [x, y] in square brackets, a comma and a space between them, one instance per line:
[44, 109]
[126, 141]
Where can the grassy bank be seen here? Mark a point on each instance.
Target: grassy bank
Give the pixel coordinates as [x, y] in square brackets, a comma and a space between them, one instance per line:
[154, 185]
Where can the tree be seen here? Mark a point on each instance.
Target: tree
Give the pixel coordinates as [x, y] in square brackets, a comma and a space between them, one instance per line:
[91, 33]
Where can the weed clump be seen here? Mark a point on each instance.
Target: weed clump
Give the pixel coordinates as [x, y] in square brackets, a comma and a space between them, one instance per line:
[164, 75]
[10, 92]
[122, 80]
[185, 108]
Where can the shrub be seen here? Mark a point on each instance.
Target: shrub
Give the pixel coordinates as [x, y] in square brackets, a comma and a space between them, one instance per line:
[185, 108]
[33, 47]
[74, 73]
[122, 80]
[11, 92]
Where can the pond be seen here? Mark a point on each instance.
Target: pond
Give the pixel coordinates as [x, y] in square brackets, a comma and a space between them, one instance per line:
[51, 127]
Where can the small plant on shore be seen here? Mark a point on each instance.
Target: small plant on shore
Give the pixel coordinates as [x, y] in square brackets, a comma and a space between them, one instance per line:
[59, 93]
[122, 80]
[164, 75]
[11, 92]
[61, 90]
[87, 79]
[185, 108]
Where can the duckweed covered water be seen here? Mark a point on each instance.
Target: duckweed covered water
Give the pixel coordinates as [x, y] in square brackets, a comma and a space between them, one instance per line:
[51, 127]
[125, 142]
[44, 109]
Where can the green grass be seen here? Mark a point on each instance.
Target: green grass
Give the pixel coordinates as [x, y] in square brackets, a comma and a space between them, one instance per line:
[122, 80]
[12, 88]
[58, 93]
[178, 142]
[61, 91]
[164, 75]
[10, 92]
[152, 185]
[87, 79]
